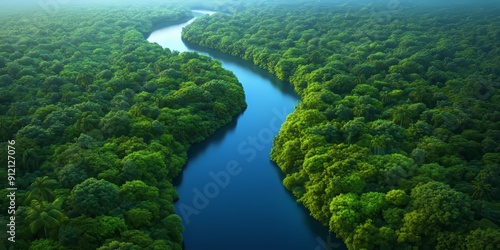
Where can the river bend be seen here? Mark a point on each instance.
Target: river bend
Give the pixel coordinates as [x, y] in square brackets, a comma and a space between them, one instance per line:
[231, 194]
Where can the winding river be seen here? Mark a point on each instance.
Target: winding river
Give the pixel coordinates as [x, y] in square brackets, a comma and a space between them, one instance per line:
[231, 195]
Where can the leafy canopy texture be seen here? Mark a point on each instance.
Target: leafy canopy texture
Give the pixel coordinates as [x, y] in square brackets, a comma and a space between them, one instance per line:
[395, 142]
[102, 121]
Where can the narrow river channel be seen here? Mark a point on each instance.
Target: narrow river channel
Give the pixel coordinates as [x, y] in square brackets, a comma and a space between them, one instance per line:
[231, 194]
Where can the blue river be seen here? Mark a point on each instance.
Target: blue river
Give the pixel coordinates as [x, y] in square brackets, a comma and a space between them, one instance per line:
[231, 196]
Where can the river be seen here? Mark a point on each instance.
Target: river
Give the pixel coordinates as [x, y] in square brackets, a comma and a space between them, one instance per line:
[231, 195]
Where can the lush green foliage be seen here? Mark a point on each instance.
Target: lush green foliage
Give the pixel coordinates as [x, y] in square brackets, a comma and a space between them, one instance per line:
[395, 143]
[102, 120]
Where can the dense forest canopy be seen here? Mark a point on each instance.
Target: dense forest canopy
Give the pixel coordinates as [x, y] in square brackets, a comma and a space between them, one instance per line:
[396, 141]
[102, 120]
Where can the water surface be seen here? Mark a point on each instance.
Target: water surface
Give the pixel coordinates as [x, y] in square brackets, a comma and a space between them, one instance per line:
[231, 194]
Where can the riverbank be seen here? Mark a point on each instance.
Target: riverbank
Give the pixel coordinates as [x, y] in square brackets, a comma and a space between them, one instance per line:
[230, 193]
[102, 119]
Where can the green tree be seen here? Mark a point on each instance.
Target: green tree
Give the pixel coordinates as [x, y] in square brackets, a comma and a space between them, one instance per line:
[437, 208]
[345, 214]
[137, 190]
[379, 143]
[42, 189]
[484, 183]
[397, 197]
[138, 218]
[44, 215]
[150, 167]
[372, 204]
[116, 123]
[90, 233]
[354, 129]
[94, 197]
[84, 79]
[483, 239]
[71, 175]
[364, 236]
[402, 115]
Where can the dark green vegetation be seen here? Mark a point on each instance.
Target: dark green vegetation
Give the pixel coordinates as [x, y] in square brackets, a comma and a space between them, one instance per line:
[396, 141]
[102, 121]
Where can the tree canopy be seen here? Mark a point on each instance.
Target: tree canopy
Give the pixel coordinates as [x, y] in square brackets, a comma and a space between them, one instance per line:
[102, 121]
[395, 139]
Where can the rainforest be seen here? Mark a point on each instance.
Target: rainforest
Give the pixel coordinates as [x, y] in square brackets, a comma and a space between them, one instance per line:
[394, 142]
